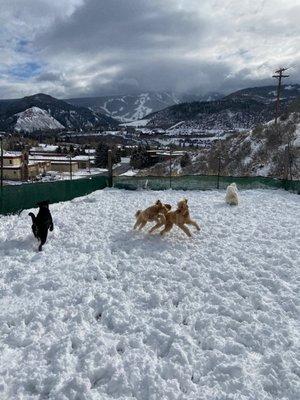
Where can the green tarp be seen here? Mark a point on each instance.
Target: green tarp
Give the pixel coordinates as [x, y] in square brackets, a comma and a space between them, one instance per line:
[202, 182]
[14, 198]
[19, 197]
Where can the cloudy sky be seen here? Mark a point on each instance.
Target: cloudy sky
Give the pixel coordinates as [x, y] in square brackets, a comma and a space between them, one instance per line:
[70, 48]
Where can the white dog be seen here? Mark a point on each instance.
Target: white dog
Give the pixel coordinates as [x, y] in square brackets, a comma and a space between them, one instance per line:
[232, 197]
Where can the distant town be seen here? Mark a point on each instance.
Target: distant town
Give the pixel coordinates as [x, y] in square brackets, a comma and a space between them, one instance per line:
[73, 155]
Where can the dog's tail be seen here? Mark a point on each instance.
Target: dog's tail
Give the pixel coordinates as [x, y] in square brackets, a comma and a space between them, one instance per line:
[33, 217]
[137, 213]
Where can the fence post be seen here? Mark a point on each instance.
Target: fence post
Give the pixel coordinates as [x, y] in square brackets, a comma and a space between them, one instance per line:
[170, 166]
[110, 170]
[71, 172]
[1, 178]
[219, 169]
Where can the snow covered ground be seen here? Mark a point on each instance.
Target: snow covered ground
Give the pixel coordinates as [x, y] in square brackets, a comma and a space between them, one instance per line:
[81, 173]
[105, 312]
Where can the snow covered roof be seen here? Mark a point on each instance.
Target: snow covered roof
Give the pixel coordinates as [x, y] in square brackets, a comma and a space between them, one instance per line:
[12, 154]
[44, 148]
[83, 158]
[12, 166]
[63, 162]
[60, 158]
[49, 158]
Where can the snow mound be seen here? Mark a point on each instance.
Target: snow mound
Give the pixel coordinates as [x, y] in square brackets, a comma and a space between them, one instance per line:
[105, 312]
[34, 118]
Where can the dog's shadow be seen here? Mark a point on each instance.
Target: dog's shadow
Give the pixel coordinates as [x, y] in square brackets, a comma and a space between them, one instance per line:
[26, 243]
[147, 244]
[221, 205]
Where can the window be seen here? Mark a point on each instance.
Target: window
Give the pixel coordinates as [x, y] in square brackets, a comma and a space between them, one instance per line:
[10, 161]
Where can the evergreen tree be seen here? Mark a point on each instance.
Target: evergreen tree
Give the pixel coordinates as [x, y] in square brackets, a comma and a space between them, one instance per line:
[140, 158]
[101, 156]
[185, 160]
[117, 153]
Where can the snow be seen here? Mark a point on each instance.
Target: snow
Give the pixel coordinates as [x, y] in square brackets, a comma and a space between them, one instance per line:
[265, 170]
[34, 118]
[125, 160]
[130, 172]
[12, 153]
[289, 87]
[81, 173]
[61, 158]
[43, 147]
[296, 142]
[141, 122]
[142, 109]
[105, 312]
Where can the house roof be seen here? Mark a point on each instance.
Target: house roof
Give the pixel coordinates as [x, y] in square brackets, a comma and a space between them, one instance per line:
[12, 154]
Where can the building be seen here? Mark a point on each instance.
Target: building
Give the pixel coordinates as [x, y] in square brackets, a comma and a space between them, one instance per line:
[61, 162]
[64, 166]
[17, 167]
[12, 166]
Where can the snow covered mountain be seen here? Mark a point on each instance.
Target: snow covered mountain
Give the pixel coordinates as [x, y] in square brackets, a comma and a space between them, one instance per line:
[134, 107]
[267, 94]
[241, 110]
[68, 116]
[267, 150]
[128, 107]
[34, 118]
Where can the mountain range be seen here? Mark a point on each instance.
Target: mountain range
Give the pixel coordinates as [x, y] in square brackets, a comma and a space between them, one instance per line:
[44, 112]
[135, 107]
[267, 150]
[239, 111]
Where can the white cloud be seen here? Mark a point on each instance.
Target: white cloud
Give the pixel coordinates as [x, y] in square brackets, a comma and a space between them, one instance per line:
[93, 47]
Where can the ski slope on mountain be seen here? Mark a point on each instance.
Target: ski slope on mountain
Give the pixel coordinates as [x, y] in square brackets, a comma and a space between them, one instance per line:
[34, 118]
[105, 312]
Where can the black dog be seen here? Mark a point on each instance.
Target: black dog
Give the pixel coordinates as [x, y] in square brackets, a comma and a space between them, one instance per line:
[41, 223]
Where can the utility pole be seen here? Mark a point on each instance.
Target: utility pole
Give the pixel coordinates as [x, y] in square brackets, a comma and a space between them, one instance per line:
[279, 75]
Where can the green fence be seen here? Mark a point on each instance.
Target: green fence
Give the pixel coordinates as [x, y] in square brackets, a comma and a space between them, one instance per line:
[202, 182]
[19, 197]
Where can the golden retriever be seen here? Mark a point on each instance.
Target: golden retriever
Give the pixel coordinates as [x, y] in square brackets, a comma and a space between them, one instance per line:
[155, 213]
[179, 217]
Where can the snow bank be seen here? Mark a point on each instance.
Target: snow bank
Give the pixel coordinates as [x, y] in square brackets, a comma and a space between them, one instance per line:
[105, 312]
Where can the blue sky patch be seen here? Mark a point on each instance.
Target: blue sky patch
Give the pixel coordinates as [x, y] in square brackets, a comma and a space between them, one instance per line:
[21, 45]
[26, 70]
